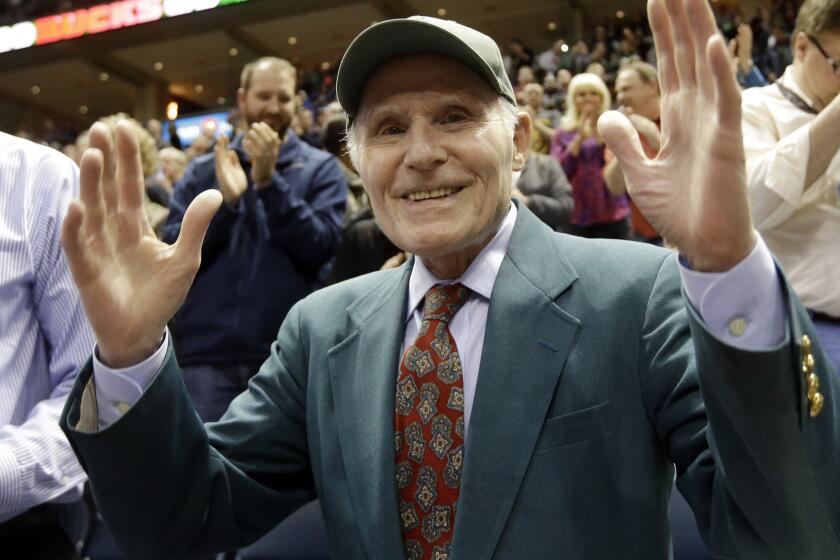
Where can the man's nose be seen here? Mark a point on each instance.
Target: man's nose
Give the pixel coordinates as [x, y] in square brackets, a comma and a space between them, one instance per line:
[423, 147]
[273, 105]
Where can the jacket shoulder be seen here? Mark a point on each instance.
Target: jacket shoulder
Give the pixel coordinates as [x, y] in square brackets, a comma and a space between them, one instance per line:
[606, 256]
[620, 268]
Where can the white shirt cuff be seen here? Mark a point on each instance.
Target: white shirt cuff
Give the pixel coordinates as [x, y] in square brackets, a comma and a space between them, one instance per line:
[744, 306]
[117, 390]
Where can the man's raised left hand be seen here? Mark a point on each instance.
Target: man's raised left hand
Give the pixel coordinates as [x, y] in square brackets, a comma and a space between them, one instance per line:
[694, 191]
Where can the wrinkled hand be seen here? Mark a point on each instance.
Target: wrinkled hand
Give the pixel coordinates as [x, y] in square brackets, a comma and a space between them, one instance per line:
[262, 144]
[229, 173]
[694, 191]
[130, 283]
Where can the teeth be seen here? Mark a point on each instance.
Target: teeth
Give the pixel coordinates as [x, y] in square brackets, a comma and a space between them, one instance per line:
[437, 193]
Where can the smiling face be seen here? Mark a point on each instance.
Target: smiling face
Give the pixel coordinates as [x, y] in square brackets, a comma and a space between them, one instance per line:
[270, 98]
[588, 100]
[634, 93]
[436, 155]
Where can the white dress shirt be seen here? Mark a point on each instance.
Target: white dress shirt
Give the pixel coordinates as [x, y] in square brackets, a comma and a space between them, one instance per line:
[800, 223]
[743, 307]
[44, 334]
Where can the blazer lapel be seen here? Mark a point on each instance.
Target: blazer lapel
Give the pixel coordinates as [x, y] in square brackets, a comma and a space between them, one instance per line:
[363, 376]
[527, 340]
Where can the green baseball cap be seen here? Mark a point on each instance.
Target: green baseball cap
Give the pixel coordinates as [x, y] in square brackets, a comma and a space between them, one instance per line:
[383, 41]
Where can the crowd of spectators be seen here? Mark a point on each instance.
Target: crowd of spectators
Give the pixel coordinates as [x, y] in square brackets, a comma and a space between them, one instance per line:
[759, 45]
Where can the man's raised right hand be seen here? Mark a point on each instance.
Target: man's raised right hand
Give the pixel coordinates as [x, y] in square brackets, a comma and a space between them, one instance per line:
[130, 283]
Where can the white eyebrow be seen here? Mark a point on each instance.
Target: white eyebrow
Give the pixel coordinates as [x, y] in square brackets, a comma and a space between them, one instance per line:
[439, 101]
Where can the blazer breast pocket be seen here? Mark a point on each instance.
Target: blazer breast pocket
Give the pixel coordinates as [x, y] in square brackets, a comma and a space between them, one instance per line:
[576, 426]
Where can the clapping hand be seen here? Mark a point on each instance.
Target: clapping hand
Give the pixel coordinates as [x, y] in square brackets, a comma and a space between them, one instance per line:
[229, 173]
[130, 283]
[694, 191]
[262, 144]
[587, 123]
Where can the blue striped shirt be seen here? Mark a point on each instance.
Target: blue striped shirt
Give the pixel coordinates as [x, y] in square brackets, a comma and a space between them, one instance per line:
[44, 334]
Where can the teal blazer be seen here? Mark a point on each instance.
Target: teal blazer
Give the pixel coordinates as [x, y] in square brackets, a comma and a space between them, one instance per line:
[597, 382]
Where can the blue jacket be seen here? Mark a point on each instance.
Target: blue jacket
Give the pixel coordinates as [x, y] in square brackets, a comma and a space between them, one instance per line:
[259, 258]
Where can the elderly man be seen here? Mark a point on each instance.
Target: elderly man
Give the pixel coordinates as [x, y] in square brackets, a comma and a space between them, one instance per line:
[509, 392]
[793, 166]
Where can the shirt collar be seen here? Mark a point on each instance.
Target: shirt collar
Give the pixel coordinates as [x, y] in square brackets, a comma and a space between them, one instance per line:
[789, 82]
[479, 276]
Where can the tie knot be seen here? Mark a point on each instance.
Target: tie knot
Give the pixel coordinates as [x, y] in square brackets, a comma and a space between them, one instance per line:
[443, 301]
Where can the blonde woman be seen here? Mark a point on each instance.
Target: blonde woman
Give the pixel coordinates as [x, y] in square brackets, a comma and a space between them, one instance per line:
[580, 150]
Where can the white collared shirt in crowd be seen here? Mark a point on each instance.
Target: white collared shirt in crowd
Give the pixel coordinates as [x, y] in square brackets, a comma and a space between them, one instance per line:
[800, 223]
[44, 334]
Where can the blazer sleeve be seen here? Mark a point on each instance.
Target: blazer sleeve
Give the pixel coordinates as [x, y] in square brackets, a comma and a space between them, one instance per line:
[761, 474]
[169, 487]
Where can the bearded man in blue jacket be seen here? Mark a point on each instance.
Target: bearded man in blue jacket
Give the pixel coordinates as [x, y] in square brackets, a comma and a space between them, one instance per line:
[267, 246]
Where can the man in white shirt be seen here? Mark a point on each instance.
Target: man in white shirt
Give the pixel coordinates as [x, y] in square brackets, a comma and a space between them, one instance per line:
[44, 338]
[792, 145]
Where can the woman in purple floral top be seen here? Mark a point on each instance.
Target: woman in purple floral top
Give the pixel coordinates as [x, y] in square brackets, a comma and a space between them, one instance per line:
[580, 150]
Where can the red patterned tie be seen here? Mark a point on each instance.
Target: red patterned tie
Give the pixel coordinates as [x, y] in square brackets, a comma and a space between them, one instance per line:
[429, 429]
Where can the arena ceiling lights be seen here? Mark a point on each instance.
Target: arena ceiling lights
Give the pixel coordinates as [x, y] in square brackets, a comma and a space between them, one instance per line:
[104, 17]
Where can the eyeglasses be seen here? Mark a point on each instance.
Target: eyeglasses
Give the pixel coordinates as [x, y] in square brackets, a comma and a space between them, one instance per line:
[831, 60]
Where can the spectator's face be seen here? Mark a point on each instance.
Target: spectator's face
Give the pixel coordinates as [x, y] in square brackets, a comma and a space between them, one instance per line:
[563, 78]
[155, 128]
[632, 92]
[820, 80]
[305, 119]
[525, 76]
[270, 98]
[173, 167]
[533, 96]
[597, 69]
[587, 100]
[436, 156]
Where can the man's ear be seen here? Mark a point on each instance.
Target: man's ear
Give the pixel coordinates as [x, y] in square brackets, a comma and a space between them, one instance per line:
[240, 99]
[800, 45]
[521, 140]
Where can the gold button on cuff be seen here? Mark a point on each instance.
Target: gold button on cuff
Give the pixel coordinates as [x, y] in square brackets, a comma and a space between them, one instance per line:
[122, 407]
[817, 404]
[806, 344]
[808, 363]
[737, 327]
